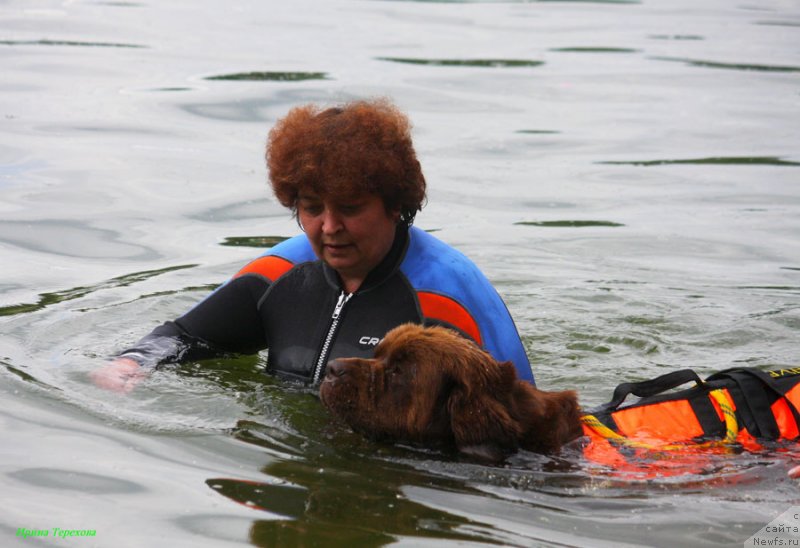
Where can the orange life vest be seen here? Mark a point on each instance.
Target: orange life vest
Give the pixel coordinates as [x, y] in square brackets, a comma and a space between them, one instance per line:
[733, 409]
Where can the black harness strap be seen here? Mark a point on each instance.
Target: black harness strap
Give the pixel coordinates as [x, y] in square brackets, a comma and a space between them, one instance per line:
[753, 393]
[713, 426]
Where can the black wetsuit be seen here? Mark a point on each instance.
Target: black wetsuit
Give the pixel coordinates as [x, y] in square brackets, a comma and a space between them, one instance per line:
[291, 303]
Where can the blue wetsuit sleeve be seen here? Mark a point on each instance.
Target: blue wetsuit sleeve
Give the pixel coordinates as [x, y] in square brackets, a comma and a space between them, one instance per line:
[435, 269]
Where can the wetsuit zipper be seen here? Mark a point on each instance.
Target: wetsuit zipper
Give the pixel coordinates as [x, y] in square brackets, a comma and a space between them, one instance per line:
[326, 346]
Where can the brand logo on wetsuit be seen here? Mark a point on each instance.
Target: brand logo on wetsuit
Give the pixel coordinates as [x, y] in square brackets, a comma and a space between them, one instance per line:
[366, 340]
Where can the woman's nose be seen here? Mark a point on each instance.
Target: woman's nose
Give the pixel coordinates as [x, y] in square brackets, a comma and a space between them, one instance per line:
[331, 223]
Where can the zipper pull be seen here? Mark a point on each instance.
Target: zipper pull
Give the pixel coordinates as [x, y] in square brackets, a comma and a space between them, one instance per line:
[343, 298]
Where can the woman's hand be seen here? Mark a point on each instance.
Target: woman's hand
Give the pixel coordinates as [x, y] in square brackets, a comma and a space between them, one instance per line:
[121, 375]
[794, 473]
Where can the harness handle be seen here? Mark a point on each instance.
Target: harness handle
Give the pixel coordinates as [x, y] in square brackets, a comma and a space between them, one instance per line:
[651, 387]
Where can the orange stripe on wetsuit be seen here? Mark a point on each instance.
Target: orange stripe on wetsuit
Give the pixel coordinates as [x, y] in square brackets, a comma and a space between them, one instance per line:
[269, 266]
[448, 310]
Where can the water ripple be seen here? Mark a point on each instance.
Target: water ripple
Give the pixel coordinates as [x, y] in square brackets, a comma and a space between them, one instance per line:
[70, 43]
[537, 131]
[73, 480]
[730, 66]
[47, 299]
[253, 241]
[714, 160]
[568, 223]
[595, 50]
[675, 37]
[273, 76]
[494, 63]
[522, 1]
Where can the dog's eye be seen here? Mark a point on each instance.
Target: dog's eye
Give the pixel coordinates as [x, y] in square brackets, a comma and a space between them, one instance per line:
[406, 370]
[393, 368]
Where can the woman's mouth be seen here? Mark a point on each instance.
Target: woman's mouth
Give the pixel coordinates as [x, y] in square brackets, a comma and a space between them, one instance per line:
[336, 247]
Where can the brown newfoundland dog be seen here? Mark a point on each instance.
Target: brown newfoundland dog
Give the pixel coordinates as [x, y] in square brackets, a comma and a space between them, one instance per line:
[432, 387]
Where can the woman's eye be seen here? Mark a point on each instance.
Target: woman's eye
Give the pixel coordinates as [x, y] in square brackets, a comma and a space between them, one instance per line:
[349, 209]
[311, 209]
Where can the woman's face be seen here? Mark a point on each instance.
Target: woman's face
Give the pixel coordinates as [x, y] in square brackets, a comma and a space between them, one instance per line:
[351, 236]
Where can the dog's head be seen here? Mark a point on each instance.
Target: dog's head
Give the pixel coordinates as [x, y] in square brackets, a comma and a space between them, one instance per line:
[431, 386]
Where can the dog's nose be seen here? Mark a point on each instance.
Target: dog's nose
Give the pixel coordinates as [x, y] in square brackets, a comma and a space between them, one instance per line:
[335, 368]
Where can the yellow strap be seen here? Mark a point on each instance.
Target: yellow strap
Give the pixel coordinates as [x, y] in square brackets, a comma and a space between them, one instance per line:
[719, 395]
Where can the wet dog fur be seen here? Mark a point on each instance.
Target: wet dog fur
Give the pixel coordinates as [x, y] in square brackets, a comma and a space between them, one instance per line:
[430, 386]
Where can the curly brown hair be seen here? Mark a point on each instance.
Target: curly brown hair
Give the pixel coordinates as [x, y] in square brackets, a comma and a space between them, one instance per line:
[345, 151]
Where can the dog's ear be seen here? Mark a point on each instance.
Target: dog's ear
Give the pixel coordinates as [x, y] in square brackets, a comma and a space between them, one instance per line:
[480, 420]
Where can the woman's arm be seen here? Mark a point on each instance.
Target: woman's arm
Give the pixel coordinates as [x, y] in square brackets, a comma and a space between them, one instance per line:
[228, 320]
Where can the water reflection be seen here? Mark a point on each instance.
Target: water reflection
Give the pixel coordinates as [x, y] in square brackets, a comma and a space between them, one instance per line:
[260, 109]
[537, 131]
[676, 37]
[272, 76]
[73, 239]
[266, 108]
[172, 89]
[333, 491]
[522, 1]
[27, 377]
[568, 223]
[715, 160]
[730, 66]
[47, 299]
[75, 480]
[364, 504]
[253, 241]
[257, 210]
[495, 63]
[596, 50]
[69, 43]
[779, 23]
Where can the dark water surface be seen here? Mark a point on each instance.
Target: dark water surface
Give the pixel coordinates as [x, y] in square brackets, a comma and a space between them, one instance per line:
[626, 172]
